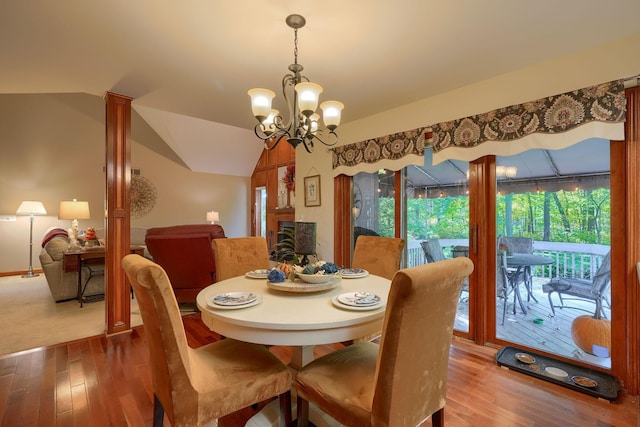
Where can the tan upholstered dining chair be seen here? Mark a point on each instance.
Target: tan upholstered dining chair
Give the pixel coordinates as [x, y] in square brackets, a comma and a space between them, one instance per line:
[196, 386]
[378, 255]
[402, 381]
[236, 256]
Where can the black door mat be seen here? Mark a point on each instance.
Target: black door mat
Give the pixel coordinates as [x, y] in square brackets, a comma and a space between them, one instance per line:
[606, 386]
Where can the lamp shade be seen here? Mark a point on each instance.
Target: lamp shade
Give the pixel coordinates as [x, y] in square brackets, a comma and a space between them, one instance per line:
[308, 96]
[74, 209]
[213, 216]
[331, 113]
[30, 207]
[261, 102]
[305, 243]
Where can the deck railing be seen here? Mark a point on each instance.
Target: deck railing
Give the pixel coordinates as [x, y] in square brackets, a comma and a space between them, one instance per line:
[575, 260]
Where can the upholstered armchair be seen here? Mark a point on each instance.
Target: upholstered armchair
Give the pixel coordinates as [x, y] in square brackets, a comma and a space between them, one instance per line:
[185, 253]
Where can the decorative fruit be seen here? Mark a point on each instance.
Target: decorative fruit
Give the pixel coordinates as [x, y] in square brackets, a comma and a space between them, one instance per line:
[588, 331]
[329, 268]
[90, 234]
[286, 268]
[276, 276]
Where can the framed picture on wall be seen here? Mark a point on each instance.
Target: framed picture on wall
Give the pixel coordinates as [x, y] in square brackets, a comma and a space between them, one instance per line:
[312, 190]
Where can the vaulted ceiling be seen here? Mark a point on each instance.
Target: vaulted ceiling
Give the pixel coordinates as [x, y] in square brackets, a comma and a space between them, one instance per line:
[188, 65]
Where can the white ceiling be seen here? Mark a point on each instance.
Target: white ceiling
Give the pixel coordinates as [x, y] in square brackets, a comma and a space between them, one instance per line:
[188, 65]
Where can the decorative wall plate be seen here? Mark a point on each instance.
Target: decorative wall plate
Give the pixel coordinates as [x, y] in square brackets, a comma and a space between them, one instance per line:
[143, 196]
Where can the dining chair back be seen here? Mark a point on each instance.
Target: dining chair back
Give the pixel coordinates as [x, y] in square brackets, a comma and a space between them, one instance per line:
[195, 386]
[595, 290]
[402, 381]
[236, 256]
[378, 255]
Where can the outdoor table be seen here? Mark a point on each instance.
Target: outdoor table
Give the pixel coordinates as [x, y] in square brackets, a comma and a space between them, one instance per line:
[523, 263]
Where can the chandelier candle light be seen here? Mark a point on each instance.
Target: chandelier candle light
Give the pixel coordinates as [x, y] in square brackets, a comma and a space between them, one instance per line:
[301, 96]
[31, 208]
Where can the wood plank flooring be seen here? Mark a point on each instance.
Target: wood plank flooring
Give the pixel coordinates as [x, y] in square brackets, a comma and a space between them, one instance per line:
[103, 381]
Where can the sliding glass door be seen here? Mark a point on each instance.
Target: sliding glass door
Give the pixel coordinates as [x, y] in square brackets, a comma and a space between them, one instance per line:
[553, 228]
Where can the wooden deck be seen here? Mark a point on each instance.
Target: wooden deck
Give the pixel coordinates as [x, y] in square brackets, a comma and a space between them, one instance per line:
[553, 335]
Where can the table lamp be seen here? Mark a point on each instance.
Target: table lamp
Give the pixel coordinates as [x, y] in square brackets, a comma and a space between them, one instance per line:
[213, 216]
[31, 208]
[305, 242]
[74, 210]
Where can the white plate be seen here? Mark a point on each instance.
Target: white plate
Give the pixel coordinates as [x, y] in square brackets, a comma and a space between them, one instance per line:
[359, 299]
[338, 304]
[353, 273]
[213, 305]
[234, 298]
[257, 274]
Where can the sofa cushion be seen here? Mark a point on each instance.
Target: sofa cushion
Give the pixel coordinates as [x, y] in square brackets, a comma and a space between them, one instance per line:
[53, 232]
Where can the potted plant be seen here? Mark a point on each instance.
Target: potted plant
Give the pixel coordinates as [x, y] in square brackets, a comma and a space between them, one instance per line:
[285, 248]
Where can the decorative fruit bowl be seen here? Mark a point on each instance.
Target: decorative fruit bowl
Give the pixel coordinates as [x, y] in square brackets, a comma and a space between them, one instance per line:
[316, 278]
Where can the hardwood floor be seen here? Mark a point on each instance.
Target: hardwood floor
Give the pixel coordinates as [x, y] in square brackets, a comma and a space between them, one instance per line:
[107, 382]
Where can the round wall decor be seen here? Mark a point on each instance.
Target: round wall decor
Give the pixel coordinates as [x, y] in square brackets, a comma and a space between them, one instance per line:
[143, 196]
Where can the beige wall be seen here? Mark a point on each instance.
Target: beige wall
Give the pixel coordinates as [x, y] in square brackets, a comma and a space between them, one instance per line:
[618, 59]
[53, 149]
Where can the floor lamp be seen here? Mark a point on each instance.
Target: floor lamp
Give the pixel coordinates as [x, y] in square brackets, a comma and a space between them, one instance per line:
[31, 208]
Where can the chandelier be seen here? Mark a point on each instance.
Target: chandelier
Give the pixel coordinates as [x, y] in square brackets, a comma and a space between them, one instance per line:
[301, 96]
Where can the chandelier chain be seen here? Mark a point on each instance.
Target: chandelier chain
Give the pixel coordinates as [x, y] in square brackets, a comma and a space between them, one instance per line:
[295, 46]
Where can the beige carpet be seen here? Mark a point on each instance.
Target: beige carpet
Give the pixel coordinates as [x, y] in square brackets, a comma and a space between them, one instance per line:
[30, 318]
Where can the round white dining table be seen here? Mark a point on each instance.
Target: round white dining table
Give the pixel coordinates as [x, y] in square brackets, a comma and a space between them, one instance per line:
[297, 319]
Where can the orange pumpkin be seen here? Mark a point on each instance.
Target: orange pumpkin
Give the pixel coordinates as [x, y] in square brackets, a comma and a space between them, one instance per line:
[588, 331]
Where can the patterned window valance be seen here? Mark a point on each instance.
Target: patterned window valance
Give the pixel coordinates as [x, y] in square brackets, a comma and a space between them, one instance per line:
[388, 152]
[596, 111]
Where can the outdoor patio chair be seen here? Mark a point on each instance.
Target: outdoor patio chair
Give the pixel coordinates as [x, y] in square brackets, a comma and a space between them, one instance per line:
[506, 283]
[595, 290]
[432, 250]
[521, 245]
[433, 253]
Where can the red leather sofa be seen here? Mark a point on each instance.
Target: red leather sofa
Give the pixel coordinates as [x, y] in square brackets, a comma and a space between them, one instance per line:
[185, 253]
